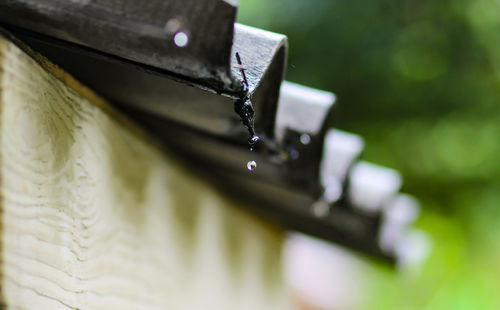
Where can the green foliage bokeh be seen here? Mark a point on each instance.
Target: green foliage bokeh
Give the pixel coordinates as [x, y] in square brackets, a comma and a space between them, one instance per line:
[420, 81]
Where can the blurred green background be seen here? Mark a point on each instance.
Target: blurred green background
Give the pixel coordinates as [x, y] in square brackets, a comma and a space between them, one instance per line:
[420, 81]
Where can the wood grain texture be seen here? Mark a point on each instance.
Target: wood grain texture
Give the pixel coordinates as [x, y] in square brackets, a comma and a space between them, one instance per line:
[96, 217]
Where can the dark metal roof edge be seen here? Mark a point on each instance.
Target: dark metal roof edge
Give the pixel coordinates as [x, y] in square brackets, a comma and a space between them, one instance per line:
[139, 32]
[258, 50]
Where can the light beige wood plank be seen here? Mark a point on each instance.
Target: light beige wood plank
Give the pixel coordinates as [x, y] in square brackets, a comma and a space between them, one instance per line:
[95, 216]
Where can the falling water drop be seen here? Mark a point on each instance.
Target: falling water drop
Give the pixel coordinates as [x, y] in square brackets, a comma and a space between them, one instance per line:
[251, 165]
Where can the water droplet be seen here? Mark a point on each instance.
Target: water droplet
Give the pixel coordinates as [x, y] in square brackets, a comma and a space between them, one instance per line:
[181, 39]
[251, 165]
[243, 107]
[252, 141]
[305, 139]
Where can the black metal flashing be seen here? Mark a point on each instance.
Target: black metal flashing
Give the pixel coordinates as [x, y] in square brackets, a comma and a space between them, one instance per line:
[171, 66]
[140, 31]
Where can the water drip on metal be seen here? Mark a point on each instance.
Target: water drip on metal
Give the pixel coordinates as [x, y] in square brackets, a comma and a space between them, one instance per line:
[243, 107]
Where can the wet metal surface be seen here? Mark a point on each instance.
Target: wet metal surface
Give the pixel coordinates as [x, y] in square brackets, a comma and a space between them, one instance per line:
[140, 31]
[172, 67]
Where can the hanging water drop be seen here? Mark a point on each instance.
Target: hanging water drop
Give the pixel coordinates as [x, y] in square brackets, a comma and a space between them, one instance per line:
[252, 141]
[251, 165]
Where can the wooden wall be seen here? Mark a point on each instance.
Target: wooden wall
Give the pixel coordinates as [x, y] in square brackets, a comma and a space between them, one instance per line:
[95, 216]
